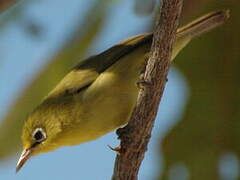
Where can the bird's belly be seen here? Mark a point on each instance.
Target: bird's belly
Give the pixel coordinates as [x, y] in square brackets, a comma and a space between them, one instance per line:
[107, 110]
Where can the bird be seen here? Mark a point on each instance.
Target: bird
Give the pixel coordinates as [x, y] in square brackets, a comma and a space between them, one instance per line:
[98, 95]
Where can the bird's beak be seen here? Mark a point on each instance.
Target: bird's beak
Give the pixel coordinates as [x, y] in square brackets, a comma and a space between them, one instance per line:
[23, 158]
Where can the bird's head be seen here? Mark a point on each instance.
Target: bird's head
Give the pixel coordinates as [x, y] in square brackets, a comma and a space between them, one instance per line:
[39, 134]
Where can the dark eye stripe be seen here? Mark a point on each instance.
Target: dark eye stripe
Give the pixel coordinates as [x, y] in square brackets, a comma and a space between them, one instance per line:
[35, 144]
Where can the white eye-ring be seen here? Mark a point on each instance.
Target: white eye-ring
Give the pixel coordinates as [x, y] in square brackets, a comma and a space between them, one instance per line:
[39, 135]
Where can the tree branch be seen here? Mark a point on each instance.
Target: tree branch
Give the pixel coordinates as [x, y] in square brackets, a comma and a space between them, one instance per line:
[135, 136]
[4, 4]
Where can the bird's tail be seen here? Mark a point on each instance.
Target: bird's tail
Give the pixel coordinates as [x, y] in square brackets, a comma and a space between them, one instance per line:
[204, 24]
[198, 27]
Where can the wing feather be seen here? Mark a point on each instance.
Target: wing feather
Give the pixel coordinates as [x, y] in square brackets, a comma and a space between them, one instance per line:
[87, 71]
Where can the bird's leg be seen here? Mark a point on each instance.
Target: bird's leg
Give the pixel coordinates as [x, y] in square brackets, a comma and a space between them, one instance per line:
[142, 83]
[121, 132]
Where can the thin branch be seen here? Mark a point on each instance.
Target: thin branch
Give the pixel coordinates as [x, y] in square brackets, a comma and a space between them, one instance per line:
[5, 4]
[135, 136]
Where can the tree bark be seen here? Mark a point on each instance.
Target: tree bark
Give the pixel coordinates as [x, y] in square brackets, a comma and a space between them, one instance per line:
[135, 136]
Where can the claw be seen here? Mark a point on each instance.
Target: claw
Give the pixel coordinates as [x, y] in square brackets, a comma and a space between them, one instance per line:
[116, 149]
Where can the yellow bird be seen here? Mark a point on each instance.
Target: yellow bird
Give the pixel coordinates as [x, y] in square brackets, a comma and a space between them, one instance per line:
[98, 95]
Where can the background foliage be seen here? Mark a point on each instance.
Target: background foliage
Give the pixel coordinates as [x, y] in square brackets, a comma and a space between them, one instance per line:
[208, 131]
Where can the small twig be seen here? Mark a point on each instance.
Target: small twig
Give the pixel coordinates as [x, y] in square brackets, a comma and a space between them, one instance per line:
[4, 4]
[135, 136]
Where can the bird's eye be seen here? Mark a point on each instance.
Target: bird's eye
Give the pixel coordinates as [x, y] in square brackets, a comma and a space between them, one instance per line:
[39, 135]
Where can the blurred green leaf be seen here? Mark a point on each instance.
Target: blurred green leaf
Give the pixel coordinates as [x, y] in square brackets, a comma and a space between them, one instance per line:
[74, 49]
[210, 125]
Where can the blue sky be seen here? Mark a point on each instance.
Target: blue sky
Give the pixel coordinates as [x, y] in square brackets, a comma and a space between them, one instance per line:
[23, 55]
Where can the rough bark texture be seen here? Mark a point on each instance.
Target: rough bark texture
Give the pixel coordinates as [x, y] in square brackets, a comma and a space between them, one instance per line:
[135, 136]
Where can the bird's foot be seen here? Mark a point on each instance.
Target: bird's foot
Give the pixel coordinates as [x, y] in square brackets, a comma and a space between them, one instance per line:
[142, 83]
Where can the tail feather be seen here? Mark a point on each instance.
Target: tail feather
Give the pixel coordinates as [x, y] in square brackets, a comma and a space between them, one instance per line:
[204, 24]
[197, 28]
